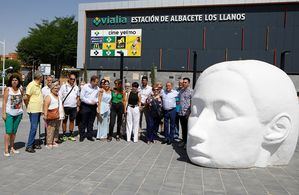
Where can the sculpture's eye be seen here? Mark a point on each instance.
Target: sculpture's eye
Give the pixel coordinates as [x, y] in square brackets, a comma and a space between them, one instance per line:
[224, 111]
[194, 110]
[197, 107]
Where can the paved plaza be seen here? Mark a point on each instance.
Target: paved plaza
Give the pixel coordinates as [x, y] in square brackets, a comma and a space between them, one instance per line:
[131, 168]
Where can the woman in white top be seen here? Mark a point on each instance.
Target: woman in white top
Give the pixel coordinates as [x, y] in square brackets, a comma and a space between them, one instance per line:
[12, 112]
[52, 114]
[103, 110]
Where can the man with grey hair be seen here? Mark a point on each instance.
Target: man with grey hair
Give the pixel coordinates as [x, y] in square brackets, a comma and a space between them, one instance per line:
[169, 105]
[46, 89]
[34, 104]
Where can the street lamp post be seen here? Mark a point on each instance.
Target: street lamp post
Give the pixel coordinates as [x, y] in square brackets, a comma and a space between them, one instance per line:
[3, 77]
[3, 61]
[33, 69]
[125, 77]
[121, 66]
[101, 72]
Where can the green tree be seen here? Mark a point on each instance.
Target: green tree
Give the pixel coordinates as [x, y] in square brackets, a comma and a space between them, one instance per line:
[15, 64]
[153, 74]
[53, 42]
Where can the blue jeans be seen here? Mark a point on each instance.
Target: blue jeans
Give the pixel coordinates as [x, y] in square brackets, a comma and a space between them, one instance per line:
[169, 116]
[34, 121]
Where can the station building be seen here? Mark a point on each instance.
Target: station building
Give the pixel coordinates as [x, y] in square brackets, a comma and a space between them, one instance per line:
[166, 34]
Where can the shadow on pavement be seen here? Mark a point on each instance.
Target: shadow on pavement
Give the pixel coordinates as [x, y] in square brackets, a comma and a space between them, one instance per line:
[182, 152]
[19, 145]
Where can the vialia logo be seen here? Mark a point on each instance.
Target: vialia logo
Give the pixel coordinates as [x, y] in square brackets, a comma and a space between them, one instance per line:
[109, 20]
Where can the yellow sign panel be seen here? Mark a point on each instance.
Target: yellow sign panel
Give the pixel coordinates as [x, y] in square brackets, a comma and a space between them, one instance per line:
[133, 45]
[108, 42]
[109, 46]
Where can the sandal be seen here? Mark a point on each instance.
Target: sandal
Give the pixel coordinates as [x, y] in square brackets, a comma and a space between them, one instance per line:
[14, 151]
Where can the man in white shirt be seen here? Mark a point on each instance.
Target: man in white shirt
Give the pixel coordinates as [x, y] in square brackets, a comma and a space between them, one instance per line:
[169, 105]
[69, 94]
[46, 89]
[88, 107]
[144, 91]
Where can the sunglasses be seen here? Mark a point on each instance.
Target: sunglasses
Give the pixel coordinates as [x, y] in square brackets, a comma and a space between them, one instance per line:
[72, 79]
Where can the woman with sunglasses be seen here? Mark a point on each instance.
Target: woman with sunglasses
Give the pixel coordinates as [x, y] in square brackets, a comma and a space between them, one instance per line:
[154, 102]
[12, 112]
[103, 110]
[102, 83]
[133, 112]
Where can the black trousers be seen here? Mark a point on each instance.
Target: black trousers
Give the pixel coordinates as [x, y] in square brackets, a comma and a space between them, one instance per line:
[184, 124]
[117, 110]
[88, 115]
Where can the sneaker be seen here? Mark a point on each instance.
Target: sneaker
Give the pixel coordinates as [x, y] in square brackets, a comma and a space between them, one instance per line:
[64, 138]
[6, 154]
[49, 146]
[38, 147]
[72, 138]
[15, 151]
[181, 144]
[164, 142]
[30, 150]
[81, 139]
[59, 141]
[90, 139]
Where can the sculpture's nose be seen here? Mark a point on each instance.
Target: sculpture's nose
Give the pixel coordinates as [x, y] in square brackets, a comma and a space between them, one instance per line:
[197, 132]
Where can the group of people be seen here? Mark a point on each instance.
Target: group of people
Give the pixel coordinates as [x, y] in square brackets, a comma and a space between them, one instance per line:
[96, 100]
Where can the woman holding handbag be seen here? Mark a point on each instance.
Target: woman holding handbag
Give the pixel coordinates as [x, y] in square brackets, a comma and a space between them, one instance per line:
[52, 114]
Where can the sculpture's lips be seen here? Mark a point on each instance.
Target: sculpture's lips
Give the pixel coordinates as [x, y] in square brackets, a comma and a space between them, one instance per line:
[198, 152]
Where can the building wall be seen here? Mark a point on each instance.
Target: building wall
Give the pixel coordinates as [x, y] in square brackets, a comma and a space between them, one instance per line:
[266, 32]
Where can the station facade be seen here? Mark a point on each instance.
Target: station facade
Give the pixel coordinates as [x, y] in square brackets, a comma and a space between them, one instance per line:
[167, 34]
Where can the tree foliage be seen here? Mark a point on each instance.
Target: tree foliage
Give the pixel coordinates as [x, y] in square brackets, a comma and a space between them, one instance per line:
[153, 74]
[53, 42]
[13, 63]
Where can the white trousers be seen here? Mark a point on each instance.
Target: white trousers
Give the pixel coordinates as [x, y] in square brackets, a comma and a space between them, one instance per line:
[133, 116]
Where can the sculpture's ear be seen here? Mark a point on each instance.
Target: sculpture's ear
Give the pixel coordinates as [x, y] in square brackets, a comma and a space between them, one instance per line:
[278, 129]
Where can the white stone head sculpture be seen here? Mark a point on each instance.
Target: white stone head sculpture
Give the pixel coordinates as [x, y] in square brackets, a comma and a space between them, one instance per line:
[244, 114]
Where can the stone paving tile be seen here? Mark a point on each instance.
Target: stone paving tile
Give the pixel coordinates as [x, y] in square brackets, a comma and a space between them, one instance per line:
[250, 182]
[212, 180]
[232, 182]
[127, 168]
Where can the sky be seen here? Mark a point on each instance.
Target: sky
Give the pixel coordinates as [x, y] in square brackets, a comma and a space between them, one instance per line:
[17, 16]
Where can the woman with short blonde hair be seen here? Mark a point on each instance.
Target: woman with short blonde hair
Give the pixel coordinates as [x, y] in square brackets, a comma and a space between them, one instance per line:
[52, 115]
